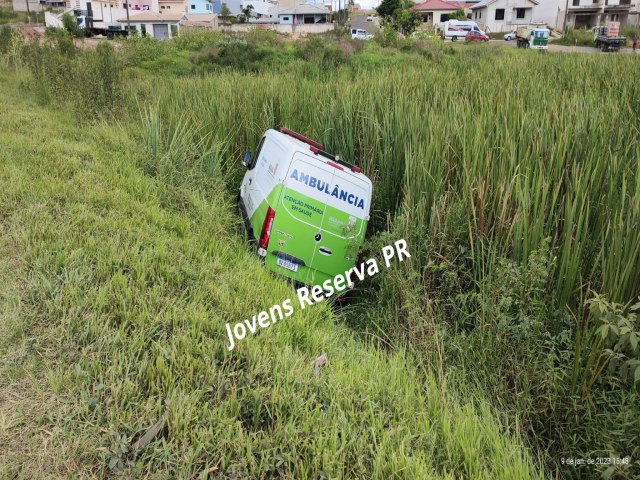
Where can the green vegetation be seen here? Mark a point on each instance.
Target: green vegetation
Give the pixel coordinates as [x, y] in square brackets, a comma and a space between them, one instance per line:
[398, 15]
[70, 24]
[584, 37]
[458, 15]
[576, 38]
[514, 322]
[120, 283]
[7, 15]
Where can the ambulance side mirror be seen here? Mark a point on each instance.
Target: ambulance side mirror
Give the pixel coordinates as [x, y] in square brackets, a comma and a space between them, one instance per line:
[246, 160]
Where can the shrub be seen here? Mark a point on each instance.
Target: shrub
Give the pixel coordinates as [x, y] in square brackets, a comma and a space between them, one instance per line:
[70, 24]
[6, 34]
[333, 56]
[194, 39]
[608, 345]
[233, 52]
[61, 40]
[387, 37]
[100, 84]
[576, 37]
[263, 38]
[311, 49]
[11, 45]
[136, 49]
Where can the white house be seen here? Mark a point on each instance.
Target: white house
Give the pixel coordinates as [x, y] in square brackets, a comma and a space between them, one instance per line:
[156, 25]
[435, 12]
[503, 15]
[303, 15]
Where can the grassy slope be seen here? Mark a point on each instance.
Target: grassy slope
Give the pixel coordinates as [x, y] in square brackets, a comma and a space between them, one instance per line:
[117, 287]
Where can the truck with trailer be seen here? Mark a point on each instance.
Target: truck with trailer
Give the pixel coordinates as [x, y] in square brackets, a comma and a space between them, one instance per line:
[92, 26]
[305, 209]
[607, 37]
[94, 22]
[532, 36]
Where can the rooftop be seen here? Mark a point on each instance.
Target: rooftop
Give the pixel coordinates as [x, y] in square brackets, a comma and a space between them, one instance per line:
[199, 17]
[484, 3]
[303, 9]
[440, 5]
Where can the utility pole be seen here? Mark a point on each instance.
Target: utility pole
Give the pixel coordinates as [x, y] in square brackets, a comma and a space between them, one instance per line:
[564, 20]
[28, 13]
[128, 21]
[337, 17]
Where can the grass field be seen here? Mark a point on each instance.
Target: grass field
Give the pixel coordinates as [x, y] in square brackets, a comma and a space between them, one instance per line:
[509, 342]
[117, 287]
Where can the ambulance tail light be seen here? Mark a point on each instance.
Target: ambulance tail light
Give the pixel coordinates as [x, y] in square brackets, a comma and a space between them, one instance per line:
[266, 229]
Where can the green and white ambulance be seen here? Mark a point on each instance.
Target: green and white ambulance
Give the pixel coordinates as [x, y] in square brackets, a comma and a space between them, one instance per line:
[307, 209]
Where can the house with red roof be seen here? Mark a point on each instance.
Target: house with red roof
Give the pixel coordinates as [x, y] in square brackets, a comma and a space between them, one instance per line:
[436, 12]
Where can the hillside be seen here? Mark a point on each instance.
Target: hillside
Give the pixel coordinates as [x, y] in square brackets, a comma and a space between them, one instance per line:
[116, 288]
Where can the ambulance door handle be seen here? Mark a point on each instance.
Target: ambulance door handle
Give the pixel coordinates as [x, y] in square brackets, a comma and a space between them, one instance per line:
[325, 251]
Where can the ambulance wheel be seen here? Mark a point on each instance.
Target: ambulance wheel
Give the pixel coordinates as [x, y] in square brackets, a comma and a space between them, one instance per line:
[454, 38]
[243, 230]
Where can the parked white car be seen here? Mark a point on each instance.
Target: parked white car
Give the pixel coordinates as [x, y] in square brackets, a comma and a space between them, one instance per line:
[369, 18]
[359, 34]
[510, 36]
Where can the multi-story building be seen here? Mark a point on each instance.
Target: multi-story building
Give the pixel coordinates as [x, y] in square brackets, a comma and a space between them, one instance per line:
[259, 8]
[589, 13]
[199, 6]
[505, 15]
[104, 13]
[172, 6]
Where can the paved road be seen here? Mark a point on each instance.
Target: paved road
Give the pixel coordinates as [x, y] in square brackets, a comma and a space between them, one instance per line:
[563, 48]
[360, 21]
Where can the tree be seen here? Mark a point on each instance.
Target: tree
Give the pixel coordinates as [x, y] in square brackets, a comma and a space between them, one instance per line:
[387, 8]
[224, 11]
[246, 12]
[70, 24]
[458, 15]
[406, 20]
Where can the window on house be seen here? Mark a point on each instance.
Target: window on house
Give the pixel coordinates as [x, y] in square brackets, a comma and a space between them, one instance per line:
[499, 13]
[444, 17]
[520, 12]
[193, 7]
[285, 19]
[576, 3]
[480, 14]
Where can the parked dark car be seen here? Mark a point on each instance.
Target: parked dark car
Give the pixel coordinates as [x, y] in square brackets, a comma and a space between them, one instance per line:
[473, 36]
